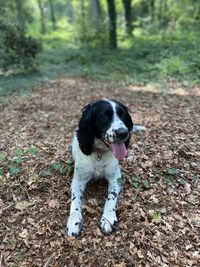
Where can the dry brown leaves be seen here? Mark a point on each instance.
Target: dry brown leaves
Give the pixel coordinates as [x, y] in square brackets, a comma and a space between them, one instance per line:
[159, 208]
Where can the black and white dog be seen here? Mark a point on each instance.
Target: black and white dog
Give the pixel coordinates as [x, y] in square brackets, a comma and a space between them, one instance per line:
[100, 142]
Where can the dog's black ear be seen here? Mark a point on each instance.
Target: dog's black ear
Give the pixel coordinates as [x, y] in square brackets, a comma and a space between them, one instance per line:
[86, 130]
[128, 121]
[129, 124]
[127, 118]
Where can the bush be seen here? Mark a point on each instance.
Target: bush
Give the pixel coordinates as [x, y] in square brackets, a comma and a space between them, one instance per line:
[17, 50]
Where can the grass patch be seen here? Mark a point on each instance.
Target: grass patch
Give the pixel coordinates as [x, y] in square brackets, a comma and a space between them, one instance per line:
[144, 59]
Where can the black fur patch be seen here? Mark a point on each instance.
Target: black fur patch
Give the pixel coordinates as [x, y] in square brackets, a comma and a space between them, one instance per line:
[114, 193]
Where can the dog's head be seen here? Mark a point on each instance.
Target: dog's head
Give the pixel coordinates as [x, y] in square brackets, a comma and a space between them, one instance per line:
[106, 120]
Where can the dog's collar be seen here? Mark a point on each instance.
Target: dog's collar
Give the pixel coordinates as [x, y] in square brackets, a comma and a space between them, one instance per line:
[99, 152]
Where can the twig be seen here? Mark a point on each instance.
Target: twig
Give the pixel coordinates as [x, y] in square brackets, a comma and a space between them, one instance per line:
[1, 259]
[6, 208]
[47, 262]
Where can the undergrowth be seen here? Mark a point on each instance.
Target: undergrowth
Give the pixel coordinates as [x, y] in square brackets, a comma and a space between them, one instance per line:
[143, 59]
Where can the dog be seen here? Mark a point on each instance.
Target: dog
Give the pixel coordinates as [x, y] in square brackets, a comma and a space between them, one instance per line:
[101, 140]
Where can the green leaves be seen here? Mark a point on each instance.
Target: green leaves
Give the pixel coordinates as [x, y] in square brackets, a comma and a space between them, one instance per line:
[2, 158]
[173, 171]
[1, 171]
[138, 183]
[32, 179]
[19, 152]
[32, 151]
[17, 160]
[46, 173]
[146, 185]
[56, 166]
[157, 216]
[14, 170]
[12, 164]
[135, 181]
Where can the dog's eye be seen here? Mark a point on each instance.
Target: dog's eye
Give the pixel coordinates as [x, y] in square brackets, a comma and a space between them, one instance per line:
[120, 113]
[108, 113]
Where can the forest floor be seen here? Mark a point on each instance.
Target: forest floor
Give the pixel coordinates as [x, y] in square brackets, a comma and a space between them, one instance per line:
[158, 209]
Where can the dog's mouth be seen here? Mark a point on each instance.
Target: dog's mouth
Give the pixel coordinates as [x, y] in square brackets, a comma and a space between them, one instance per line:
[118, 149]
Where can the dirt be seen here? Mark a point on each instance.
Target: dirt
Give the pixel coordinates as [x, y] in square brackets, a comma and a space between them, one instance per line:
[158, 209]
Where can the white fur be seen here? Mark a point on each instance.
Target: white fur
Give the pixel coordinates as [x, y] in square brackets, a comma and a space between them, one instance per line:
[116, 124]
[139, 128]
[86, 168]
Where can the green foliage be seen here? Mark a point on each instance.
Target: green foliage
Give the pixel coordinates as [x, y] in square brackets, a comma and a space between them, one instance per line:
[17, 160]
[32, 151]
[135, 182]
[1, 171]
[173, 171]
[157, 216]
[18, 51]
[56, 166]
[46, 173]
[14, 170]
[89, 28]
[19, 152]
[164, 45]
[141, 60]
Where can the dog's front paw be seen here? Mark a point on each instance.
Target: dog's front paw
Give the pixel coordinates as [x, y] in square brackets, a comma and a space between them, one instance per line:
[74, 225]
[108, 223]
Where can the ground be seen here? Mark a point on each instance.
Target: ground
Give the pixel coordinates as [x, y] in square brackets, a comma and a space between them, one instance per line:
[158, 209]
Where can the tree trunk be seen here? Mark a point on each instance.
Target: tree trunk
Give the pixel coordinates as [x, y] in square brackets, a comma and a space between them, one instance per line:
[83, 23]
[152, 9]
[112, 23]
[128, 16]
[69, 11]
[52, 14]
[20, 14]
[42, 23]
[96, 11]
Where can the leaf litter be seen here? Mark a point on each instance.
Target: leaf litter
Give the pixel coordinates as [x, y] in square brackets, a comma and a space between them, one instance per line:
[158, 209]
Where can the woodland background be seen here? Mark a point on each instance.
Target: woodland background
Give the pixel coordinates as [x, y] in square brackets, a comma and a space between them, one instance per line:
[56, 57]
[157, 41]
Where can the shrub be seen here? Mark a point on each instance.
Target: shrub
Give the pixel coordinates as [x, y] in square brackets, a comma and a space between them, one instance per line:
[17, 50]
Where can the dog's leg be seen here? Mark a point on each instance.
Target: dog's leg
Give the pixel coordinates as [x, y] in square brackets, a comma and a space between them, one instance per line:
[108, 220]
[75, 219]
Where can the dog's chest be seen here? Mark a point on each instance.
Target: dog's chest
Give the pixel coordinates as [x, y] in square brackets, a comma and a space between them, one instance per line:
[98, 164]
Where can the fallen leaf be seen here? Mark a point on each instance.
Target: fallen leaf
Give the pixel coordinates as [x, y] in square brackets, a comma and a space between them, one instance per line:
[23, 205]
[192, 199]
[24, 233]
[54, 203]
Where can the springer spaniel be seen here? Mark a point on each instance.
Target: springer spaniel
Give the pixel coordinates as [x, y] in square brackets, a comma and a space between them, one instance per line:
[99, 143]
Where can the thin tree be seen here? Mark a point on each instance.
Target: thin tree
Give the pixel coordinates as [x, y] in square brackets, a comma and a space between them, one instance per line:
[20, 14]
[42, 22]
[83, 26]
[112, 23]
[96, 12]
[128, 16]
[52, 15]
[152, 9]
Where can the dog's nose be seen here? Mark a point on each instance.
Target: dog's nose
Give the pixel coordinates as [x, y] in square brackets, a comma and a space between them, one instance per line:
[121, 133]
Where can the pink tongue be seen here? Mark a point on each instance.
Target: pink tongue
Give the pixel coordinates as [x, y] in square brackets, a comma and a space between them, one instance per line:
[119, 150]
